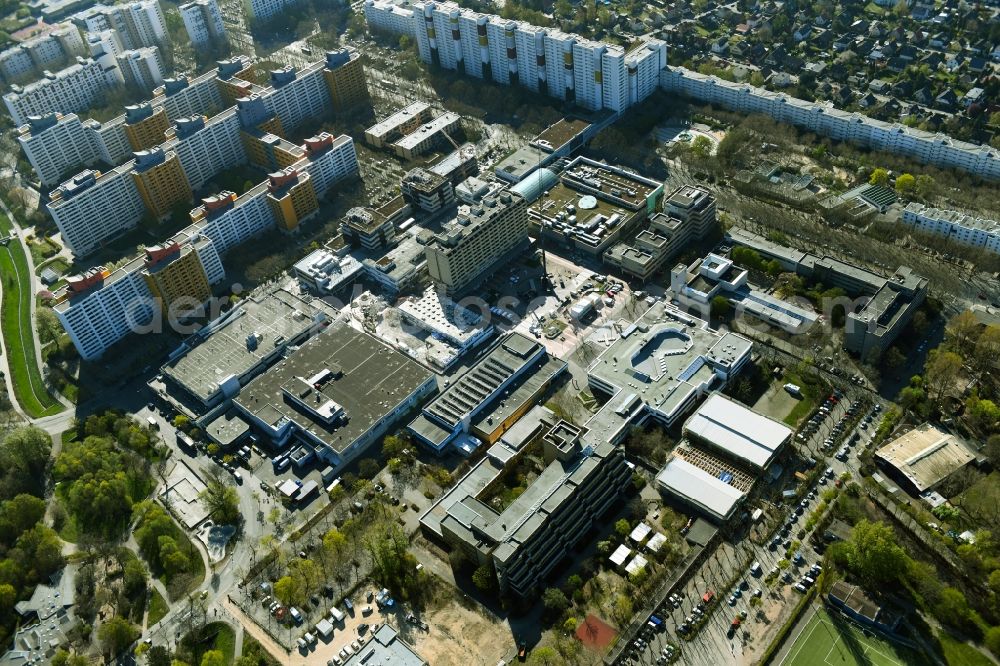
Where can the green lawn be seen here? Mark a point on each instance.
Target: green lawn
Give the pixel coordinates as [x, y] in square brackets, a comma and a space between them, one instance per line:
[18, 330]
[810, 397]
[157, 608]
[213, 636]
[960, 654]
[833, 641]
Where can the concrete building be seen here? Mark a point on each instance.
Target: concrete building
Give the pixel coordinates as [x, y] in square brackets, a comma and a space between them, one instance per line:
[176, 278]
[137, 23]
[145, 127]
[160, 180]
[69, 90]
[142, 68]
[470, 247]
[659, 368]
[292, 197]
[55, 144]
[487, 400]
[100, 307]
[705, 279]
[446, 320]
[827, 120]
[263, 10]
[385, 647]
[889, 303]
[401, 268]
[55, 47]
[334, 396]
[428, 136]
[426, 191]
[398, 124]
[203, 22]
[93, 206]
[693, 205]
[568, 67]
[327, 273]
[524, 541]
[345, 79]
[922, 458]
[954, 226]
[593, 205]
[214, 363]
[369, 229]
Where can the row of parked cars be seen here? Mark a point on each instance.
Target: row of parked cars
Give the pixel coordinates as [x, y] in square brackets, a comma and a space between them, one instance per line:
[809, 578]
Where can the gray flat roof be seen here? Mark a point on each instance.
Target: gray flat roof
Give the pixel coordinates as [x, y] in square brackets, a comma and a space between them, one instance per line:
[738, 430]
[926, 455]
[385, 648]
[274, 318]
[367, 379]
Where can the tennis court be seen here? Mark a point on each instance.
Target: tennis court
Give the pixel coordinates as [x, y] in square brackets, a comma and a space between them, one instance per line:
[834, 641]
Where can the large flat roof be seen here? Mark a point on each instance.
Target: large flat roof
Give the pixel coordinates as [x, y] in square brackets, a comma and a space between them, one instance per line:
[223, 350]
[385, 648]
[364, 378]
[926, 455]
[699, 488]
[738, 430]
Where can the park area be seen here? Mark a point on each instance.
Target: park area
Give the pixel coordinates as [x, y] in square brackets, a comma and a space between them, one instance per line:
[829, 639]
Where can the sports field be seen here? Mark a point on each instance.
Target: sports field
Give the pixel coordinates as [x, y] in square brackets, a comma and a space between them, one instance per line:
[834, 641]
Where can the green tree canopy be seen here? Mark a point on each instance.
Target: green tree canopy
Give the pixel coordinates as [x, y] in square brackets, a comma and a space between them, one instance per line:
[875, 555]
[116, 634]
[879, 176]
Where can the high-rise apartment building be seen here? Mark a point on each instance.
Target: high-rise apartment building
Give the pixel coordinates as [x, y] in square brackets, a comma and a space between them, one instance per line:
[292, 198]
[142, 68]
[593, 74]
[203, 22]
[160, 179]
[138, 23]
[427, 191]
[69, 90]
[93, 207]
[145, 127]
[263, 10]
[345, 79]
[176, 277]
[56, 144]
[38, 53]
[470, 247]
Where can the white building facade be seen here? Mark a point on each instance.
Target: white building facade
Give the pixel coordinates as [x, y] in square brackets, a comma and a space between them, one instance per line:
[954, 226]
[203, 22]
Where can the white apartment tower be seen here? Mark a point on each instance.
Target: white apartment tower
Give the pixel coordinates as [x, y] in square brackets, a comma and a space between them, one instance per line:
[66, 91]
[142, 68]
[93, 207]
[203, 22]
[35, 54]
[55, 143]
[139, 23]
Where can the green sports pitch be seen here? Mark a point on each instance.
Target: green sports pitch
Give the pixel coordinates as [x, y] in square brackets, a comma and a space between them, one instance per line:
[832, 640]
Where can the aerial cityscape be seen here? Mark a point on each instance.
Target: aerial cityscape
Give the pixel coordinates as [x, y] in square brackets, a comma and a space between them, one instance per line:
[467, 332]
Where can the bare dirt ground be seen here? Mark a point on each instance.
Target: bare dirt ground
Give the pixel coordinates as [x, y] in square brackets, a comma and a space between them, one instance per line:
[460, 635]
[776, 402]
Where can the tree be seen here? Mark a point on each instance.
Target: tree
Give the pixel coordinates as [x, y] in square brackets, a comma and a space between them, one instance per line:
[18, 515]
[894, 358]
[987, 351]
[622, 527]
[879, 176]
[49, 328]
[221, 499]
[701, 146]
[963, 329]
[720, 306]
[953, 609]
[158, 656]
[940, 372]
[24, 459]
[545, 656]
[286, 591]
[992, 640]
[875, 555]
[554, 601]
[483, 578]
[117, 634]
[906, 184]
[213, 658]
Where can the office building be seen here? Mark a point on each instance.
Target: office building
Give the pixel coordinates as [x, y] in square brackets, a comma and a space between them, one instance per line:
[693, 205]
[334, 396]
[145, 127]
[69, 90]
[203, 22]
[326, 272]
[595, 75]
[446, 320]
[727, 447]
[93, 206]
[49, 50]
[142, 68]
[137, 23]
[345, 79]
[487, 400]
[954, 226]
[470, 247]
[402, 267]
[398, 125]
[426, 191]
[216, 361]
[659, 368]
[55, 144]
[368, 228]
[524, 541]
[100, 307]
[824, 119]
[429, 136]
[889, 303]
[160, 180]
[921, 459]
[592, 205]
